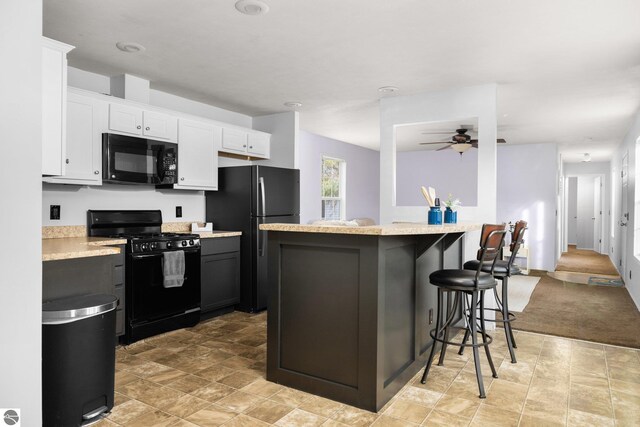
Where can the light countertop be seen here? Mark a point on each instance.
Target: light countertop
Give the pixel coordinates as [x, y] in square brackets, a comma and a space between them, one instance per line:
[395, 229]
[79, 247]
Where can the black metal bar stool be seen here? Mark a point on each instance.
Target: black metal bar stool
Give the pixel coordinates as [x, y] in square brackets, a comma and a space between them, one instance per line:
[460, 284]
[502, 270]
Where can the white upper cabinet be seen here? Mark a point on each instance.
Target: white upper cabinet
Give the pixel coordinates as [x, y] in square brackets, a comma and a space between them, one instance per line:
[136, 121]
[54, 106]
[83, 160]
[246, 143]
[198, 145]
[259, 145]
[234, 140]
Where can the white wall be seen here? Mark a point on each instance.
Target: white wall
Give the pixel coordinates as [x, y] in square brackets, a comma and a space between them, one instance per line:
[526, 189]
[631, 274]
[446, 171]
[284, 129]
[20, 196]
[446, 105]
[362, 198]
[75, 200]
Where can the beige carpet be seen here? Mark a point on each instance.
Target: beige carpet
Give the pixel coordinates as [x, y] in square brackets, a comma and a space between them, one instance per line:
[593, 313]
[585, 261]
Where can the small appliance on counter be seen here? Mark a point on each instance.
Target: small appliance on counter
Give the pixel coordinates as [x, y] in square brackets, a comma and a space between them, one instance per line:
[248, 196]
[156, 299]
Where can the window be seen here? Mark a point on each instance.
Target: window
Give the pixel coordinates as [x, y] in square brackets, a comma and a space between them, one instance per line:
[333, 188]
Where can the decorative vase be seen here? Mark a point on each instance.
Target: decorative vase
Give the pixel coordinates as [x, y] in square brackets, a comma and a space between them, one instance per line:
[435, 216]
[450, 216]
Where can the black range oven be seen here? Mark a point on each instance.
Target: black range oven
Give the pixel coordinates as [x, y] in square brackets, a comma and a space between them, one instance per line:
[150, 306]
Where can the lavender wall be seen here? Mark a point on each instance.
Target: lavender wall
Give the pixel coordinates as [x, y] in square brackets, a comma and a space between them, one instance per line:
[363, 177]
[446, 171]
[527, 190]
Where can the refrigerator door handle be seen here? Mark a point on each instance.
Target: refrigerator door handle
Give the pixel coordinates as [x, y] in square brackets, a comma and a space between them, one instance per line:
[262, 191]
[261, 240]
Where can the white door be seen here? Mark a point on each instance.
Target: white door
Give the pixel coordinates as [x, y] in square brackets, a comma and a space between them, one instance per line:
[586, 217]
[159, 126]
[234, 140]
[125, 119]
[198, 155]
[624, 214]
[259, 145]
[572, 210]
[597, 213]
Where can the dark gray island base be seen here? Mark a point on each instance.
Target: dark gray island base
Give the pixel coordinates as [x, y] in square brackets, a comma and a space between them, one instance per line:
[350, 313]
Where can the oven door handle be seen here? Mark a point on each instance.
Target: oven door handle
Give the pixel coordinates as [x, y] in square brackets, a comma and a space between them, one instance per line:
[140, 256]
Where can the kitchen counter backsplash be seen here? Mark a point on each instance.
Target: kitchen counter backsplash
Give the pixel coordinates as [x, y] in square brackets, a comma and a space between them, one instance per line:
[60, 231]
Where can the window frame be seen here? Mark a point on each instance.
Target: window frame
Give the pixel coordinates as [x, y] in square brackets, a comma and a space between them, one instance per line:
[342, 186]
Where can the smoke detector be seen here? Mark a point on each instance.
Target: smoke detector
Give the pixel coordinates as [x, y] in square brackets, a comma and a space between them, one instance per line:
[586, 157]
[252, 7]
[130, 47]
[293, 104]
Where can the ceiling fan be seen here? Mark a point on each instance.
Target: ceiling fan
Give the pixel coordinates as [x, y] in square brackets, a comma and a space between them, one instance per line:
[460, 142]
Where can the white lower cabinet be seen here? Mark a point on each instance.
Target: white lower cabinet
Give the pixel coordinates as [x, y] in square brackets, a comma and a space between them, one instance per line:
[198, 145]
[83, 162]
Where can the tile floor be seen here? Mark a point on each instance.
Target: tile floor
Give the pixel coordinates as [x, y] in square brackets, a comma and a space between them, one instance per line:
[213, 374]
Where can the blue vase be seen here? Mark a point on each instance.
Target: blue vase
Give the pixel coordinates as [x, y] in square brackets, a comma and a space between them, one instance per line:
[435, 216]
[450, 216]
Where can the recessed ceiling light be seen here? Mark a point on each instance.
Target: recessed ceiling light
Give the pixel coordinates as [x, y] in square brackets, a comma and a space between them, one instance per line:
[586, 157]
[387, 89]
[252, 7]
[130, 47]
[293, 104]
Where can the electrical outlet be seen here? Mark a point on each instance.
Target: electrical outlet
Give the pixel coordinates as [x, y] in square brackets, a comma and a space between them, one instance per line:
[54, 212]
[629, 274]
[178, 211]
[430, 315]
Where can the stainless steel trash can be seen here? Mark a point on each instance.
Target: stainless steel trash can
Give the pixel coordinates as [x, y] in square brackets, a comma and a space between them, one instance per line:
[78, 359]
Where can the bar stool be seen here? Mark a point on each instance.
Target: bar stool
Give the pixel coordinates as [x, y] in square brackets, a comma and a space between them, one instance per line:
[463, 283]
[502, 270]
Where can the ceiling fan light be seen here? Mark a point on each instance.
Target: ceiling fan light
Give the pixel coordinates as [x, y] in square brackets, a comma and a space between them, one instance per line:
[461, 148]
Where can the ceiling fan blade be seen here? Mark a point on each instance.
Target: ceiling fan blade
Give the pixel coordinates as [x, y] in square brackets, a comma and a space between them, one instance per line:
[435, 132]
[473, 141]
[501, 141]
[474, 144]
[443, 148]
[443, 142]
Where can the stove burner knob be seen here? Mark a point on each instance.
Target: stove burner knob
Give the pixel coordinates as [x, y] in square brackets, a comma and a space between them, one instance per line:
[184, 243]
[169, 245]
[154, 246]
[144, 246]
[191, 242]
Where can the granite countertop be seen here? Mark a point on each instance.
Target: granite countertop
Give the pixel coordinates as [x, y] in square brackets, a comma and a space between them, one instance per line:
[395, 229]
[58, 248]
[79, 247]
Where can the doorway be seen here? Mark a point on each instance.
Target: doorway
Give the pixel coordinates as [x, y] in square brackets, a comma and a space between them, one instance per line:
[584, 202]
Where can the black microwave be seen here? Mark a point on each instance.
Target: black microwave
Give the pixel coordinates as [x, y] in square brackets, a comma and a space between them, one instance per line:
[131, 160]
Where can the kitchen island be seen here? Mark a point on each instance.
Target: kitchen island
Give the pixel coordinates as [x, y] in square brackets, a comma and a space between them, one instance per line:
[350, 308]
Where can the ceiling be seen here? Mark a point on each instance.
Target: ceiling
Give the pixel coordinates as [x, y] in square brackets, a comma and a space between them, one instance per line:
[567, 71]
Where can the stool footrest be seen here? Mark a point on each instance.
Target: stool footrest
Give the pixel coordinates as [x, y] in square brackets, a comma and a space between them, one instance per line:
[432, 333]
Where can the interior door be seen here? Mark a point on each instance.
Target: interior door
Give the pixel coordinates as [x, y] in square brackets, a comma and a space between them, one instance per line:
[624, 214]
[597, 214]
[585, 212]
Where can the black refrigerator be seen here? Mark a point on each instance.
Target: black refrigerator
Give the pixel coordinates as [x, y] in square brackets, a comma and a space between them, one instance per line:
[248, 196]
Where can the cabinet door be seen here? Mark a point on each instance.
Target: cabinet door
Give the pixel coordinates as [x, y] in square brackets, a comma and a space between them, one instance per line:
[259, 145]
[125, 119]
[220, 285]
[54, 94]
[234, 140]
[83, 162]
[198, 155]
[159, 126]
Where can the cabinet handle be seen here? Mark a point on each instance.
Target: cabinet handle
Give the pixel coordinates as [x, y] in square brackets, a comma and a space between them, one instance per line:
[138, 127]
[67, 161]
[96, 172]
[182, 179]
[147, 128]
